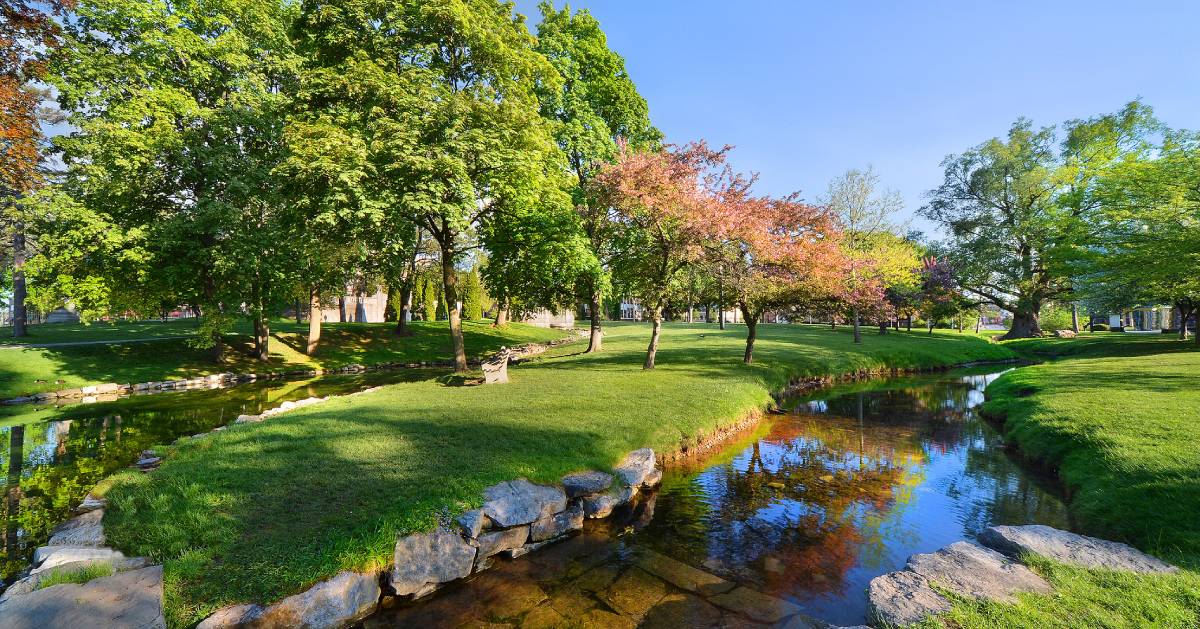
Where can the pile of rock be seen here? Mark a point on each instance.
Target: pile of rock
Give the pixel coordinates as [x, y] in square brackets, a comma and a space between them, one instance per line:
[130, 597]
[991, 571]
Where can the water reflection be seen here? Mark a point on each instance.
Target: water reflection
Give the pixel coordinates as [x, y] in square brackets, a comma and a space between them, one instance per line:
[53, 456]
[846, 488]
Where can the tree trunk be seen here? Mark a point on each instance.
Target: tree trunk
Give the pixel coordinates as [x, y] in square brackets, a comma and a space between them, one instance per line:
[314, 321]
[1075, 318]
[751, 334]
[595, 337]
[262, 337]
[501, 313]
[929, 324]
[721, 303]
[450, 285]
[360, 307]
[857, 330]
[341, 308]
[20, 313]
[407, 284]
[883, 327]
[1025, 325]
[908, 323]
[652, 350]
[958, 323]
[978, 321]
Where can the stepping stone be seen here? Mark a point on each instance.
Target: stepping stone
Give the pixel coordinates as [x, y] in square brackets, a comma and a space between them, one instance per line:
[680, 574]
[903, 598]
[82, 530]
[755, 605]
[972, 570]
[1069, 548]
[47, 557]
[128, 600]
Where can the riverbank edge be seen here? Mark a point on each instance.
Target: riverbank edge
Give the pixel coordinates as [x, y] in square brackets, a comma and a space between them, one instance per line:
[688, 447]
[108, 391]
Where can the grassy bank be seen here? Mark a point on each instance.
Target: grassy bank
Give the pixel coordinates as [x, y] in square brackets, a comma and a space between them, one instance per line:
[1119, 418]
[261, 511]
[162, 355]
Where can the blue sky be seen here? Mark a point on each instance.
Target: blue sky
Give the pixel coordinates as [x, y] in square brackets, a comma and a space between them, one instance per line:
[806, 90]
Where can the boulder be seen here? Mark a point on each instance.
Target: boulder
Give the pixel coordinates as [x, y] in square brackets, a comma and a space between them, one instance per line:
[498, 541]
[586, 483]
[90, 503]
[552, 526]
[435, 557]
[472, 522]
[1064, 334]
[1069, 548]
[231, 617]
[81, 530]
[339, 602]
[130, 599]
[636, 466]
[517, 502]
[902, 598]
[972, 570]
[599, 505]
[108, 387]
[653, 479]
[47, 557]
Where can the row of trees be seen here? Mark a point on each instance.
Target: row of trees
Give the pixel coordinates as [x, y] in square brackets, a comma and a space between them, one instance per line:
[239, 156]
[1104, 212]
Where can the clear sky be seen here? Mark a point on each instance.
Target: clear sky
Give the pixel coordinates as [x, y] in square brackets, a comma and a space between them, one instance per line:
[808, 89]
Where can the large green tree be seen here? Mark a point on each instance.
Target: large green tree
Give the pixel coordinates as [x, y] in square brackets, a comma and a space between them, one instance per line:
[595, 104]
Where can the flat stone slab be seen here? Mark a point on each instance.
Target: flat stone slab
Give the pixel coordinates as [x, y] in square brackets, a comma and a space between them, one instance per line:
[585, 483]
[903, 598]
[517, 502]
[680, 574]
[1069, 548]
[81, 530]
[972, 570]
[31, 582]
[635, 467]
[128, 600]
[436, 557]
[755, 605]
[681, 610]
[48, 557]
[634, 593]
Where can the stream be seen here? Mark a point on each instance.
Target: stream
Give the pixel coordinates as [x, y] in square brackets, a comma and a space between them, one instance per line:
[843, 486]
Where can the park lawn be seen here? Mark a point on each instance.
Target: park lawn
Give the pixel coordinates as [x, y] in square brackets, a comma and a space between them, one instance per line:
[28, 370]
[261, 511]
[1121, 426]
[99, 331]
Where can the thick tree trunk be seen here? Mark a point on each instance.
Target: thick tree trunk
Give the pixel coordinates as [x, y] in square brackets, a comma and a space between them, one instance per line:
[360, 307]
[1025, 325]
[20, 313]
[299, 313]
[450, 284]
[501, 314]
[402, 317]
[908, 323]
[883, 327]
[1075, 318]
[314, 321]
[751, 334]
[341, 308]
[596, 335]
[262, 337]
[857, 328]
[656, 327]
[978, 321]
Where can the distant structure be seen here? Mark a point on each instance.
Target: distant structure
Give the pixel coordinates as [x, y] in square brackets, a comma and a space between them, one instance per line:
[545, 319]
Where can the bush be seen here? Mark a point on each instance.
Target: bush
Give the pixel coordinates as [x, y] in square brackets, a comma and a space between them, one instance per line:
[1055, 318]
[1100, 327]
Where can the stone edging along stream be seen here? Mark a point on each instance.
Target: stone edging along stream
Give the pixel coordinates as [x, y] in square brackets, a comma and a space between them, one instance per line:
[112, 390]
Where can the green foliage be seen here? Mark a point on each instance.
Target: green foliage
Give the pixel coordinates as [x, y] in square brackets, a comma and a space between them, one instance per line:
[472, 296]
[58, 576]
[1057, 317]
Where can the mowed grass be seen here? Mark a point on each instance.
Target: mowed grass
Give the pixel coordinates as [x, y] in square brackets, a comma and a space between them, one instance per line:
[261, 511]
[1122, 427]
[30, 370]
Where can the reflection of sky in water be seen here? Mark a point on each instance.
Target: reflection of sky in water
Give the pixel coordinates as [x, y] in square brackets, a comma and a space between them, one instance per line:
[847, 489]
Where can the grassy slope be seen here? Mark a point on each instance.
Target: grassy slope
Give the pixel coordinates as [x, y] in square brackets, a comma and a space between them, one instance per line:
[1119, 417]
[261, 511]
[31, 370]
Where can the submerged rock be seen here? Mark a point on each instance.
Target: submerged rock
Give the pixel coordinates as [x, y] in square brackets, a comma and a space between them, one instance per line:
[1069, 548]
[130, 600]
[755, 605]
[435, 557]
[680, 574]
[516, 502]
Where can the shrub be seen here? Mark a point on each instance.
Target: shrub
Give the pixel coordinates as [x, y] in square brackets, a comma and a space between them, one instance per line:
[1100, 327]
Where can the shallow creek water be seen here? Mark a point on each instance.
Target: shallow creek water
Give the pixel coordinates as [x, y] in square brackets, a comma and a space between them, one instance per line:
[52, 456]
[799, 514]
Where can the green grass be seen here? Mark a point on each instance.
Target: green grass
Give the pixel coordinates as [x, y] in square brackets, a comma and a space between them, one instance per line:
[30, 370]
[99, 331]
[75, 575]
[261, 511]
[1119, 418]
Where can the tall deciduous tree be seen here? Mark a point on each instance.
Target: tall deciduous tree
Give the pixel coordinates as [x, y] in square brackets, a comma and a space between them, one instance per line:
[660, 198]
[594, 105]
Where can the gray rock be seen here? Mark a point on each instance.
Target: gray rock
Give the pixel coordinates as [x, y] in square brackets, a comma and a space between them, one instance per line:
[902, 598]
[31, 582]
[498, 541]
[82, 530]
[600, 505]
[558, 524]
[231, 617]
[48, 557]
[472, 523]
[130, 600]
[1070, 548]
[585, 483]
[339, 602]
[755, 605]
[90, 503]
[516, 502]
[435, 557]
[972, 570]
[636, 466]
[653, 479]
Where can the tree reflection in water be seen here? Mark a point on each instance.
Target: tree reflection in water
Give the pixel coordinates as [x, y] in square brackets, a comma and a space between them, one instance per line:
[846, 488]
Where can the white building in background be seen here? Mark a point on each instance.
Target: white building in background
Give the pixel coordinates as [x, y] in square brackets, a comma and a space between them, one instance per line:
[359, 308]
[545, 319]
